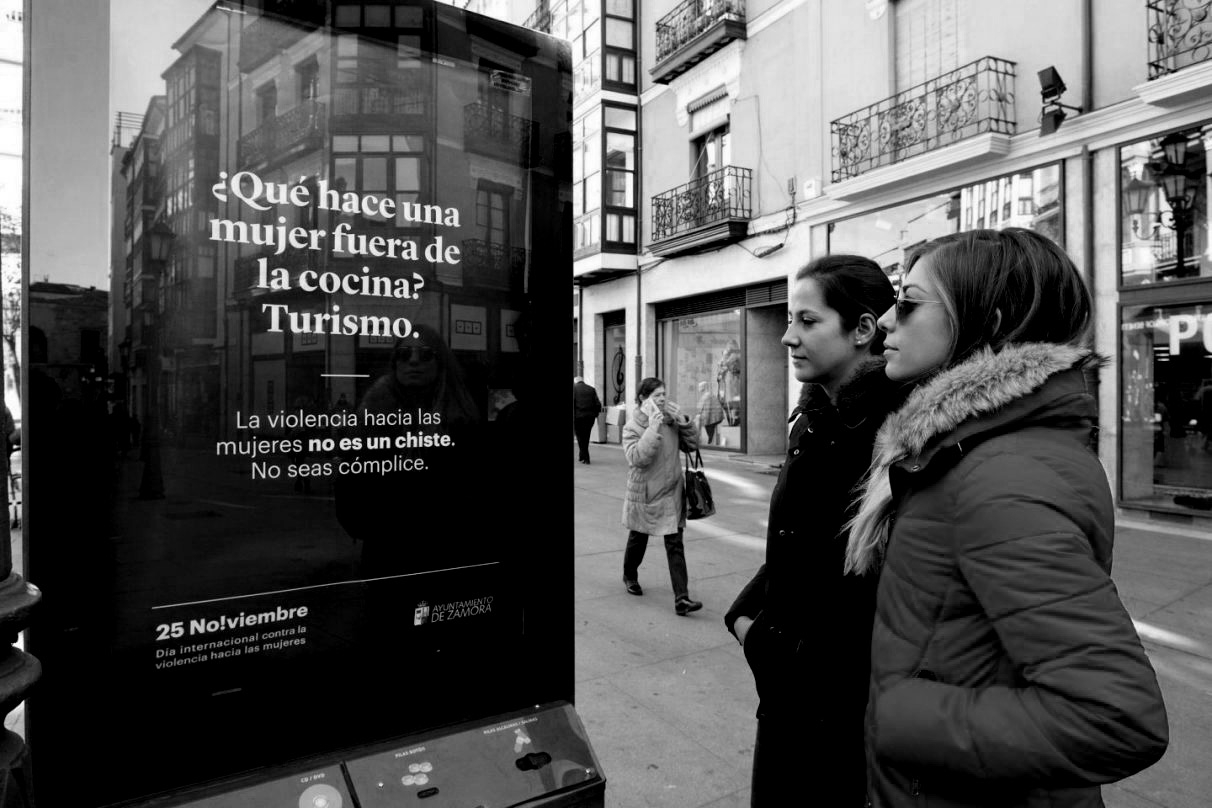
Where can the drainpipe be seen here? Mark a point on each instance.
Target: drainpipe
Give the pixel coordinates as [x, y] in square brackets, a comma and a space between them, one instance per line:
[1087, 163]
[639, 196]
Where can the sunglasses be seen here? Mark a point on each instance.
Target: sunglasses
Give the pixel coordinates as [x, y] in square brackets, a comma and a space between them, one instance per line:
[424, 353]
[905, 306]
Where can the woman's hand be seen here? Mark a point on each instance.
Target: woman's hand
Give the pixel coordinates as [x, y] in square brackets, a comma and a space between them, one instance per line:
[650, 408]
[740, 627]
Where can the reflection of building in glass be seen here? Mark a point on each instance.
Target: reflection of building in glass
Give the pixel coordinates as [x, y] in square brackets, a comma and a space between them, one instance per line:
[416, 171]
[142, 173]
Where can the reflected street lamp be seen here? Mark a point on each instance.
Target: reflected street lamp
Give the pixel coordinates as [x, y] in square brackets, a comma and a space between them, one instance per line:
[160, 243]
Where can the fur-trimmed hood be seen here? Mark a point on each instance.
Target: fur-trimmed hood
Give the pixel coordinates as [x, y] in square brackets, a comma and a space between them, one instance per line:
[976, 389]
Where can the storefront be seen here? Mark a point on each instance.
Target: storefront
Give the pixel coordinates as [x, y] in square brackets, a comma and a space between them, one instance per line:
[720, 357]
[1165, 323]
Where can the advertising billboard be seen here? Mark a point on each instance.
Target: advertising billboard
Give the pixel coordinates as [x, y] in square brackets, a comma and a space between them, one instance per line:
[282, 433]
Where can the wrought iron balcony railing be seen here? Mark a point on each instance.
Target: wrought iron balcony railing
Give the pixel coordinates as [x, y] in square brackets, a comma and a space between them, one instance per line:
[1180, 35]
[695, 29]
[488, 129]
[492, 266]
[399, 98]
[971, 100]
[720, 196]
[282, 136]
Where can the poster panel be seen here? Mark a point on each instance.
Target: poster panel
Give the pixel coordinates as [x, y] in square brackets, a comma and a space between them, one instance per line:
[277, 463]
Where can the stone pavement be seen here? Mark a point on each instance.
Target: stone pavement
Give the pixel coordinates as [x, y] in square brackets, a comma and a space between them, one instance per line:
[668, 701]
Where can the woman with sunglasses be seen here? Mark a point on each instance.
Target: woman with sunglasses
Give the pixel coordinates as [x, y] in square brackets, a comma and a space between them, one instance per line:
[424, 384]
[1005, 671]
[799, 605]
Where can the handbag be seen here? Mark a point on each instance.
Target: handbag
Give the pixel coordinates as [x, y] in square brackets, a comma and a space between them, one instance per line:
[699, 502]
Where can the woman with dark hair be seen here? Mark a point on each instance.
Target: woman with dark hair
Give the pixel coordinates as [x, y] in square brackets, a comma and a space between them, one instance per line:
[1005, 669]
[799, 604]
[654, 503]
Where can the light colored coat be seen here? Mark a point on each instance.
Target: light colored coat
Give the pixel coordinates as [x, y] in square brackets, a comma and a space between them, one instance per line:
[654, 503]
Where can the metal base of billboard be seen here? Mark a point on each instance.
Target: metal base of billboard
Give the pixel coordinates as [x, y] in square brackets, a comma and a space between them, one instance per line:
[540, 758]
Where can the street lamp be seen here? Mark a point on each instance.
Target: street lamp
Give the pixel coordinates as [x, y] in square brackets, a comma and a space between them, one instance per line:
[160, 244]
[1180, 196]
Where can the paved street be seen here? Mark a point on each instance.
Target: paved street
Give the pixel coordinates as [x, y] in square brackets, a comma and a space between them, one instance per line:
[668, 701]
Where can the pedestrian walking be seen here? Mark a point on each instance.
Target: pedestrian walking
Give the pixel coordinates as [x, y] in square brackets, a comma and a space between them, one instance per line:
[1005, 670]
[810, 715]
[654, 503]
[585, 408]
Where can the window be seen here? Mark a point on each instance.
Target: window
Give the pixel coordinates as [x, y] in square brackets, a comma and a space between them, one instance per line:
[374, 78]
[620, 170]
[712, 151]
[492, 214]
[587, 182]
[267, 103]
[383, 165]
[1164, 209]
[1166, 401]
[620, 44]
[308, 78]
[928, 40]
[886, 234]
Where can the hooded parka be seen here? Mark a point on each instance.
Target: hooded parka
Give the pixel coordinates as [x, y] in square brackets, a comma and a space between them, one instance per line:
[1006, 672]
[809, 646]
[655, 477]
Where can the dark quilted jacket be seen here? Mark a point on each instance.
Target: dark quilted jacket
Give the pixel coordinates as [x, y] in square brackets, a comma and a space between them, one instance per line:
[1005, 670]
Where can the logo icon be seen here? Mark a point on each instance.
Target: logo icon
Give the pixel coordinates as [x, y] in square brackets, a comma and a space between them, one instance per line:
[420, 615]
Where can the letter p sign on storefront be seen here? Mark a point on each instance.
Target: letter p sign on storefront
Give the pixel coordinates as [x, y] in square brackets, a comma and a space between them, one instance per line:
[1187, 326]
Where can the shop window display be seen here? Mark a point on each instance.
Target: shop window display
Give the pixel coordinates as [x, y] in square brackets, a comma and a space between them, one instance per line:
[1167, 406]
[703, 364]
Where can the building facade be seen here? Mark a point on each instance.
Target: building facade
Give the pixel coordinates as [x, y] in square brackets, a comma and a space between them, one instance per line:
[334, 97]
[770, 132]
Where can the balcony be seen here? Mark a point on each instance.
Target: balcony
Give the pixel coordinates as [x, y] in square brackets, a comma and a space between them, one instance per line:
[707, 212]
[692, 32]
[1180, 35]
[492, 131]
[284, 137]
[492, 266]
[403, 97]
[974, 99]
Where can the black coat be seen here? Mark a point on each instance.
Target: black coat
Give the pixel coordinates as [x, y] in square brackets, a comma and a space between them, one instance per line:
[585, 402]
[1006, 672]
[810, 645]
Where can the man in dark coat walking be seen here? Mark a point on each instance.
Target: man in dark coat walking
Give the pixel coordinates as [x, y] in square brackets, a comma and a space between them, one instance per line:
[585, 409]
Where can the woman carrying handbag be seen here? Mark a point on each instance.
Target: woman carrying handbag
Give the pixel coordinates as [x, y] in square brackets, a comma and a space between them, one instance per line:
[655, 501]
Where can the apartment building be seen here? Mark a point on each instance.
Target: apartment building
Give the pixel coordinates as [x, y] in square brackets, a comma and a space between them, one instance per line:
[769, 132]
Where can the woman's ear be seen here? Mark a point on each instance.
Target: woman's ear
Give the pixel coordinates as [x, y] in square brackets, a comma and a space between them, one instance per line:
[865, 331]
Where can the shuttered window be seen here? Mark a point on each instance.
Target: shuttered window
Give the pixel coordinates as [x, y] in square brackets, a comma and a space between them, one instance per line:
[928, 40]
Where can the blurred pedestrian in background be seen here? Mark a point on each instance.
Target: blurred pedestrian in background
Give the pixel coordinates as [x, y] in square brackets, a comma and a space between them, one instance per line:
[1005, 670]
[800, 609]
[654, 503]
[585, 409]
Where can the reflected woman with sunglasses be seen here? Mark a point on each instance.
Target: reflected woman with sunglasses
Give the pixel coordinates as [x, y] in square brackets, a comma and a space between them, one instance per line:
[805, 628]
[424, 381]
[1005, 671]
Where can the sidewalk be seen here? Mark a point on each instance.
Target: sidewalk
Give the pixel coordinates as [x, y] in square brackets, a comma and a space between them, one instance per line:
[668, 701]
